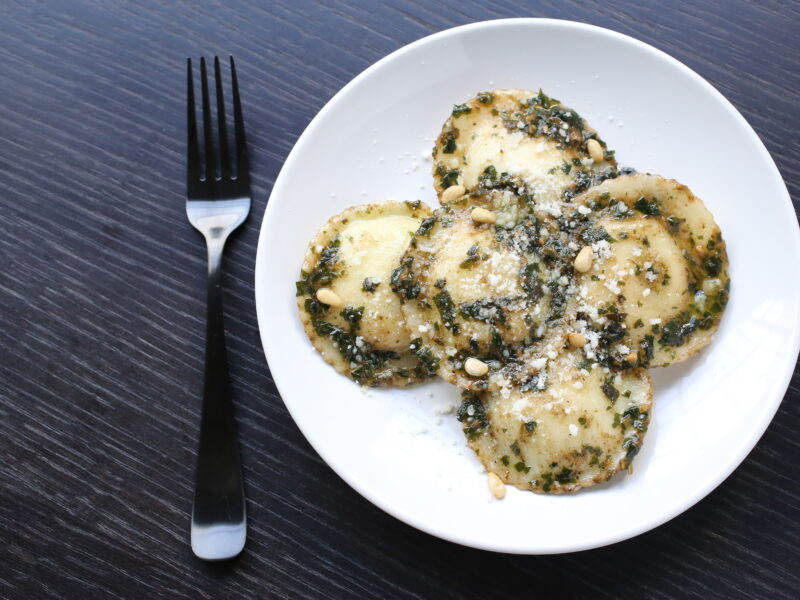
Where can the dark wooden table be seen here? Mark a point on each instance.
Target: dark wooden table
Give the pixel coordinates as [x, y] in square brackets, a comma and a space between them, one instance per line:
[102, 299]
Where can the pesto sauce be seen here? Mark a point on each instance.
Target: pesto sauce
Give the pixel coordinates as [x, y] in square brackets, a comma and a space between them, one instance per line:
[370, 284]
[545, 116]
[461, 109]
[486, 310]
[450, 145]
[447, 310]
[678, 329]
[447, 177]
[648, 207]
[403, 282]
[367, 360]
[611, 392]
[324, 272]
[472, 257]
[472, 414]
[429, 364]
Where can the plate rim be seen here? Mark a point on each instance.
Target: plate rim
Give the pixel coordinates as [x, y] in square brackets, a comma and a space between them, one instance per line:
[780, 384]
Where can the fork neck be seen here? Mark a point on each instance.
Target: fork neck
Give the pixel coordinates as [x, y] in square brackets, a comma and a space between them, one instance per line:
[215, 247]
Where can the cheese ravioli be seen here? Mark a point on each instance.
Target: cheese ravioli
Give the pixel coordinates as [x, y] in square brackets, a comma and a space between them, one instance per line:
[345, 299]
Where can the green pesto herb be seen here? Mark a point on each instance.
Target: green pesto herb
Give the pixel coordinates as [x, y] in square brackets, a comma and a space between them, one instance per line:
[504, 459]
[450, 144]
[485, 97]
[367, 360]
[472, 257]
[428, 361]
[565, 476]
[522, 467]
[713, 265]
[612, 332]
[565, 167]
[634, 417]
[611, 392]
[413, 204]
[403, 282]
[447, 177]
[531, 282]
[639, 323]
[370, 284]
[674, 223]
[496, 340]
[489, 173]
[676, 331]
[592, 235]
[323, 273]
[353, 317]
[314, 307]
[425, 227]
[530, 426]
[545, 116]
[648, 207]
[647, 346]
[447, 310]
[556, 249]
[486, 310]
[461, 109]
[558, 301]
[631, 445]
[472, 414]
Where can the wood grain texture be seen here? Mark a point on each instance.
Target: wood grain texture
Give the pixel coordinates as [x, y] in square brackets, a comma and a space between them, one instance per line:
[102, 308]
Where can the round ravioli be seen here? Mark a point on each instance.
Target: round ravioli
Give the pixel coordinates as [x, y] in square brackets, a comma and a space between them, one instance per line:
[585, 426]
[658, 282]
[522, 140]
[345, 299]
[480, 290]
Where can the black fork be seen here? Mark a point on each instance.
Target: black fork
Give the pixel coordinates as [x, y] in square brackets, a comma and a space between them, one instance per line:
[217, 202]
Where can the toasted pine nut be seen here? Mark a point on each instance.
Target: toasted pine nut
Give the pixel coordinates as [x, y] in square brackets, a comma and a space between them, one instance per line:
[329, 297]
[632, 358]
[451, 193]
[475, 367]
[576, 340]
[496, 486]
[481, 215]
[583, 262]
[595, 150]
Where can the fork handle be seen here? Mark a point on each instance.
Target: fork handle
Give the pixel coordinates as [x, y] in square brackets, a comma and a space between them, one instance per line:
[218, 512]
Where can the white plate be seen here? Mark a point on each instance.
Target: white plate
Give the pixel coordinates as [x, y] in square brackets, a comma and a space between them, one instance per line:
[368, 144]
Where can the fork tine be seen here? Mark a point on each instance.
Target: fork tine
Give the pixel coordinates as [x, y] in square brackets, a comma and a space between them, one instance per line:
[242, 160]
[207, 133]
[192, 148]
[224, 159]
